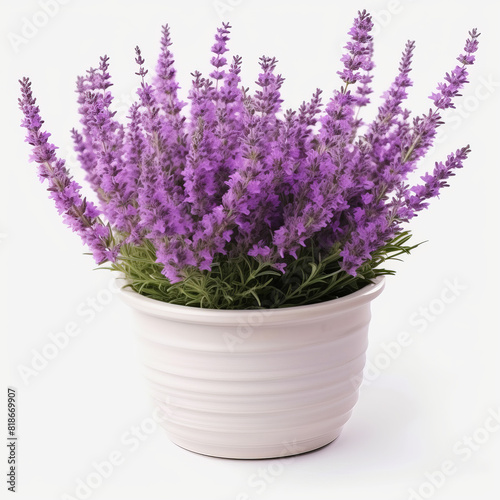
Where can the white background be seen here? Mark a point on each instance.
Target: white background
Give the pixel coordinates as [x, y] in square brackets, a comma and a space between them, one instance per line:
[414, 413]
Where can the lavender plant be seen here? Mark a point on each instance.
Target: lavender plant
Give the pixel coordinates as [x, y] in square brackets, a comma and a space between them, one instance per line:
[236, 204]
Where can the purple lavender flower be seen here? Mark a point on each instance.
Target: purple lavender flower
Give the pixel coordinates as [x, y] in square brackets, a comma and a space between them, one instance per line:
[219, 49]
[359, 49]
[158, 195]
[339, 124]
[80, 215]
[425, 127]
[163, 217]
[83, 142]
[215, 130]
[416, 196]
[363, 90]
[202, 161]
[229, 125]
[455, 80]
[174, 125]
[101, 150]
[390, 127]
[258, 208]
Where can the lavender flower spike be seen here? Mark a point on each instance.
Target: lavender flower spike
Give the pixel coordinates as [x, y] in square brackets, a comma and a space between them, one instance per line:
[415, 199]
[339, 123]
[455, 80]
[174, 127]
[81, 216]
[424, 129]
[359, 49]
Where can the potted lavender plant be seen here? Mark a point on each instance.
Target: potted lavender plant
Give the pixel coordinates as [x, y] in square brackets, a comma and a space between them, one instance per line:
[250, 241]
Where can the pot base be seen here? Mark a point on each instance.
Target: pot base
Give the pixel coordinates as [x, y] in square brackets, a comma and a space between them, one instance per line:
[257, 452]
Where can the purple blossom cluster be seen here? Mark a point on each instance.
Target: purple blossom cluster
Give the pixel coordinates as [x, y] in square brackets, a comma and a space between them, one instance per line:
[236, 175]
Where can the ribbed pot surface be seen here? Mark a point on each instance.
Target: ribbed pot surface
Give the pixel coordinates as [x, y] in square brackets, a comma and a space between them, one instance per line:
[254, 384]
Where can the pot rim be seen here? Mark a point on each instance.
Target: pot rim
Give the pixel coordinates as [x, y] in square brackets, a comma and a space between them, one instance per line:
[188, 314]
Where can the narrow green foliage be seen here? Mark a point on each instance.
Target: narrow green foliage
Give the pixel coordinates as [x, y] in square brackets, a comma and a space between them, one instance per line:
[246, 283]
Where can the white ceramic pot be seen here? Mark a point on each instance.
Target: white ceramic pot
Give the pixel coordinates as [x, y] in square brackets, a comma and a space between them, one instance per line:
[254, 383]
